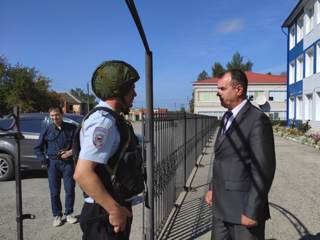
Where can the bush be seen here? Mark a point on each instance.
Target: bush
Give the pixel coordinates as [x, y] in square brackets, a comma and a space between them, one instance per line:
[281, 123]
[304, 127]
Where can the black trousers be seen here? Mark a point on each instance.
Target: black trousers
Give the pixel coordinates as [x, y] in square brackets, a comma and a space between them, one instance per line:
[228, 231]
[94, 223]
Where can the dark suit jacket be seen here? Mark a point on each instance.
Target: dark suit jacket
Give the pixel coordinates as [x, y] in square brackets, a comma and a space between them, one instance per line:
[244, 167]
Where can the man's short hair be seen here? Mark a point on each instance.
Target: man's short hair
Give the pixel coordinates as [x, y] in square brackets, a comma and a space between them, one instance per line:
[238, 77]
[56, 109]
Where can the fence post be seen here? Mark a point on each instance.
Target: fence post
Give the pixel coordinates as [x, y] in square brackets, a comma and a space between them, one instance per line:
[184, 136]
[202, 133]
[196, 138]
[150, 146]
[19, 217]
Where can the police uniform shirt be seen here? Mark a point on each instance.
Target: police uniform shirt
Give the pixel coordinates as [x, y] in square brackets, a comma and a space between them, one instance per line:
[99, 137]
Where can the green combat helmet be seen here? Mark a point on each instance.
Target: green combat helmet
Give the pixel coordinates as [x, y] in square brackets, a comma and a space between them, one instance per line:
[113, 79]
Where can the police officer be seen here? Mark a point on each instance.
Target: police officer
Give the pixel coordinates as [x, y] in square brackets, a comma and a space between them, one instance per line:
[53, 149]
[106, 213]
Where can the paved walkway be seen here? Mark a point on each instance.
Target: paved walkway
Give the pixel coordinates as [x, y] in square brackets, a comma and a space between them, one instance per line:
[294, 197]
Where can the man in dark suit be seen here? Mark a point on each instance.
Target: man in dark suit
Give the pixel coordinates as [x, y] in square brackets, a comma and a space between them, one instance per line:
[244, 164]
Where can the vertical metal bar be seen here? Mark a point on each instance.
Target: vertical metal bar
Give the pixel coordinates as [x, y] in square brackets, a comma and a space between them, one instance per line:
[19, 217]
[184, 138]
[149, 143]
[143, 157]
[196, 138]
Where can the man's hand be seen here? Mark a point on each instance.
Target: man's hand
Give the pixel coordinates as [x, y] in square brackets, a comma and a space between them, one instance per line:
[66, 154]
[44, 164]
[118, 218]
[209, 197]
[248, 222]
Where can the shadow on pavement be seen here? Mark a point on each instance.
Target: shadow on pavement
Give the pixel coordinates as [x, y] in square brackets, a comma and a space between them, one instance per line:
[189, 221]
[311, 237]
[301, 229]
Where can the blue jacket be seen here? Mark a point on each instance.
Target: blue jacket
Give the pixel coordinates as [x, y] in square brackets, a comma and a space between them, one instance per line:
[52, 140]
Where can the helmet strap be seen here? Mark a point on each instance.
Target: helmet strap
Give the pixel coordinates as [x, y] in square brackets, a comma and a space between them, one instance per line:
[124, 105]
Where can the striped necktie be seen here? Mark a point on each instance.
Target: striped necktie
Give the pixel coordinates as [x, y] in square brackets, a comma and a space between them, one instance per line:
[227, 116]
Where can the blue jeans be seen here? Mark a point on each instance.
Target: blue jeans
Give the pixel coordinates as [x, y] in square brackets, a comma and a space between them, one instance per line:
[58, 169]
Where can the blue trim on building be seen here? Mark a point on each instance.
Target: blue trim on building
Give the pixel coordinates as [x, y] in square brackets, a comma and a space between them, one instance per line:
[296, 51]
[295, 89]
[304, 65]
[315, 58]
[288, 75]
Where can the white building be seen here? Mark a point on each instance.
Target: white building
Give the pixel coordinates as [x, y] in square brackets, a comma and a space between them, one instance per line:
[303, 25]
[269, 92]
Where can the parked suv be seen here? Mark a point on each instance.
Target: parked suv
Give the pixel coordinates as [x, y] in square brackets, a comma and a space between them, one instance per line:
[30, 126]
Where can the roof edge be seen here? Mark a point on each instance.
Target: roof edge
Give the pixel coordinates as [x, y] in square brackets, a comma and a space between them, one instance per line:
[293, 14]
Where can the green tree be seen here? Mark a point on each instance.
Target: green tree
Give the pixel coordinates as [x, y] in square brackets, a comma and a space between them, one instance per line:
[24, 87]
[191, 103]
[217, 69]
[3, 69]
[202, 76]
[237, 62]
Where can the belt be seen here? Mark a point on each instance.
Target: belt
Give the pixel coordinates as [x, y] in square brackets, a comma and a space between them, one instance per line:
[90, 200]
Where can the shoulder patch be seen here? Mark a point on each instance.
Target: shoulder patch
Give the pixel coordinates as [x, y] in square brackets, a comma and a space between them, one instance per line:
[99, 137]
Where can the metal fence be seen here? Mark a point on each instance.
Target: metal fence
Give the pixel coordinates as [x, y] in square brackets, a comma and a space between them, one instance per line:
[179, 139]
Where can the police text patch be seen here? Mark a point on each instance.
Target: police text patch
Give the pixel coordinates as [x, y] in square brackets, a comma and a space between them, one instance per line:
[99, 137]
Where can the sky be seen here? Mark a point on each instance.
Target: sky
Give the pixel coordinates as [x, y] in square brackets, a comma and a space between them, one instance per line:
[66, 40]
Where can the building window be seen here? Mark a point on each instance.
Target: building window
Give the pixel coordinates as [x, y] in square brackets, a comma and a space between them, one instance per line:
[206, 96]
[299, 68]
[309, 62]
[300, 29]
[292, 36]
[252, 95]
[277, 115]
[317, 107]
[308, 107]
[309, 12]
[291, 108]
[292, 68]
[317, 11]
[299, 108]
[277, 96]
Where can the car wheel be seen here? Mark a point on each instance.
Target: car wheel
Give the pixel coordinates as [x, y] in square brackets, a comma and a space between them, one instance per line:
[6, 167]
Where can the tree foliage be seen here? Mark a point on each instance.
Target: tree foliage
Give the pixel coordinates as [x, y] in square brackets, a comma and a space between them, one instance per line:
[217, 69]
[191, 103]
[237, 62]
[24, 87]
[202, 76]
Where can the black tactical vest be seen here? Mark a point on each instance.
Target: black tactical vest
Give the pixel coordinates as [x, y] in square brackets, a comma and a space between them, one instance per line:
[123, 176]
